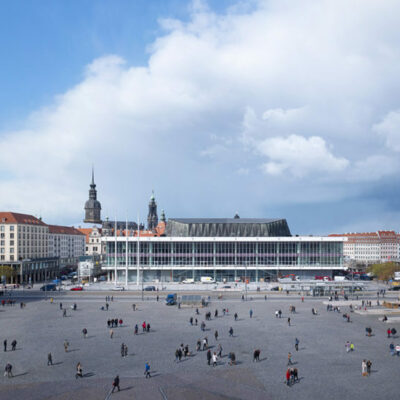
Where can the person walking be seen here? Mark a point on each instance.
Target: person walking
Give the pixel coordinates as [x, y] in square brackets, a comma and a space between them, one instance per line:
[115, 384]
[288, 321]
[347, 346]
[79, 371]
[126, 351]
[147, 370]
[364, 368]
[205, 344]
[231, 331]
[296, 344]
[288, 377]
[49, 359]
[144, 326]
[236, 316]
[5, 344]
[214, 359]
[136, 329]
[191, 321]
[295, 375]
[64, 312]
[391, 348]
[251, 313]
[369, 365]
[351, 346]
[111, 333]
[13, 345]
[219, 350]
[256, 355]
[289, 359]
[84, 332]
[122, 349]
[209, 356]
[66, 345]
[8, 371]
[60, 306]
[216, 335]
[232, 358]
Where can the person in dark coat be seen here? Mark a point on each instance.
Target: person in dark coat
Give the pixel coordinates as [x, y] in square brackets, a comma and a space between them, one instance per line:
[256, 355]
[116, 384]
[208, 356]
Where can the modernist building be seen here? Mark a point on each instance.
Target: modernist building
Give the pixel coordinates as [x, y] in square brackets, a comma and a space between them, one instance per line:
[371, 247]
[24, 247]
[225, 249]
[67, 243]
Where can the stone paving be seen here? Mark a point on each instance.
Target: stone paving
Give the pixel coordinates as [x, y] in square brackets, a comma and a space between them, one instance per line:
[326, 371]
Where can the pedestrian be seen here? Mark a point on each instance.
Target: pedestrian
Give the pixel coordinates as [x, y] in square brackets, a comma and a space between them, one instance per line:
[148, 327]
[195, 321]
[209, 356]
[176, 355]
[122, 349]
[136, 329]
[204, 344]
[295, 375]
[216, 335]
[364, 368]
[236, 316]
[66, 345]
[292, 376]
[203, 326]
[347, 346]
[288, 321]
[389, 332]
[107, 305]
[5, 344]
[232, 358]
[49, 359]
[126, 351]
[251, 313]
[230, 331]
[78, 371]
[198, 345]
[289, 359]
[219, 350]
[144, 326]
[351, 346]
[60, 306]
[84, 332]
[112, 298]
[397, 349]
[296, 344]
[288, 377]
[369, 365]
[393, 331]
[134, 307]
[391, 348]
[115, 384]
[111, 333]
[158, 297]
[216, 313]
[120, 322]
[214, 359]
[191, 321]
[147, 370]
[64, 312]
[256, 355]
[8, 371]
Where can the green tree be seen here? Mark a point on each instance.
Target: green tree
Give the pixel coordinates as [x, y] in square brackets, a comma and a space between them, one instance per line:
[384, 271]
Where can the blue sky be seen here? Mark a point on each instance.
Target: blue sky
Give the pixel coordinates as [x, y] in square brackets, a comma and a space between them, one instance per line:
[266, 107]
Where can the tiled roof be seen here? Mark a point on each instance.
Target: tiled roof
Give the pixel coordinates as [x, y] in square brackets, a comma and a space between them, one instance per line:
[16, 218]
[64, 230]
[86, 232]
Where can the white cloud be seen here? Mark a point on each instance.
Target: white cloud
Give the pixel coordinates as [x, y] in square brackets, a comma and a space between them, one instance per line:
[318, 76]
[389, 129]
[300, 156]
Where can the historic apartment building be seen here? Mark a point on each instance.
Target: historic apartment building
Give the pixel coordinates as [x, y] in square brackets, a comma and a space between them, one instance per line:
[371, 247]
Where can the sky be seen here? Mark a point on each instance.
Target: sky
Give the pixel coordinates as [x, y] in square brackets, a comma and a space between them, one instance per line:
[268, 108]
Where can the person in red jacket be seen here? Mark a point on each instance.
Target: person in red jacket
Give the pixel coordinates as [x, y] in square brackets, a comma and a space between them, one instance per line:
[388, 332]
[288, 377]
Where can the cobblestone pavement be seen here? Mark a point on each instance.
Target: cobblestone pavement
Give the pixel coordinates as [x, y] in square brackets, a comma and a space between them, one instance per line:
[326, 371]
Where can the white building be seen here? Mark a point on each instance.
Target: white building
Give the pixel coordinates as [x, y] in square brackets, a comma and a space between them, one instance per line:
[371, 247]
[67, 243]
[93, 245]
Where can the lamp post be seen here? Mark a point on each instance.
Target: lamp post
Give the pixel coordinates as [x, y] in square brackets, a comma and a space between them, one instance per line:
[245, 280]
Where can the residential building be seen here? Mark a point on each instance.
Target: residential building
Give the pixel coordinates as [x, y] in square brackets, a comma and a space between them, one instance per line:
[371, 247]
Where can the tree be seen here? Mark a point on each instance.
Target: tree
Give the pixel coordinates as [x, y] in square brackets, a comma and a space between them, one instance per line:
[384, 271]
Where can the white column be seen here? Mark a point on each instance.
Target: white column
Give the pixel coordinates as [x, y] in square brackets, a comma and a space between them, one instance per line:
[115, 254]
[138, 252]
[126, 255]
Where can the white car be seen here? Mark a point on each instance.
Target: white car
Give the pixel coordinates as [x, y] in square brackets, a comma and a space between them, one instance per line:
[118, 288]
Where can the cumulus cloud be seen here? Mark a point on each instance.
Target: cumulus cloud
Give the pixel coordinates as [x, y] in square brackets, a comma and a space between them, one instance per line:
[295, 89]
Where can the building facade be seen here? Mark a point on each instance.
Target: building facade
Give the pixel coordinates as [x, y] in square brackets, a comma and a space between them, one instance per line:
[24, 248]
[371, 247]
[223, 258]
[67, 243]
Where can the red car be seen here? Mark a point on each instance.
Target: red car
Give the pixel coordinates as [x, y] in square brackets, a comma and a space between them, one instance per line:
[77, 288]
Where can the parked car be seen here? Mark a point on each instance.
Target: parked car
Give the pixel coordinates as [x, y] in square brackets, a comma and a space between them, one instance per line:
[102, 278]
[118, 288]
[395, 288]
[150, 289]
[77, 288]
[170, 300]
[50, 287]
[226, 287]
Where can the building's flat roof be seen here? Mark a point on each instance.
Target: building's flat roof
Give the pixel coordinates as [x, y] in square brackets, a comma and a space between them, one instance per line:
[228, 239]
[225, 220]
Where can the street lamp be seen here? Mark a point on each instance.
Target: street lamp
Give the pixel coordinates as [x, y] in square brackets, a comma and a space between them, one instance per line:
[245, 280]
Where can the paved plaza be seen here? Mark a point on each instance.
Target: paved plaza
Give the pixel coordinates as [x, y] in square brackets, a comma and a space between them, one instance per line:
[326, 371]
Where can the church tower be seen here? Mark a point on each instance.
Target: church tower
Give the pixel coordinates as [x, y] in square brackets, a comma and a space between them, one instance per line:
[93, 206]
[152, 218]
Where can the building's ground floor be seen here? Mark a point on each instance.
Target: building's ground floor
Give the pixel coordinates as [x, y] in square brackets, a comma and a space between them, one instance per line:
[30, 271]
[222, 274]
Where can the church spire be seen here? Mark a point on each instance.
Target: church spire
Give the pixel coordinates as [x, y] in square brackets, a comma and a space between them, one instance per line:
[152, 217]
[93, 206]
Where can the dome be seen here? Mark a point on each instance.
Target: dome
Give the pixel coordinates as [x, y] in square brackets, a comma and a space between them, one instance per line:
[91, 203]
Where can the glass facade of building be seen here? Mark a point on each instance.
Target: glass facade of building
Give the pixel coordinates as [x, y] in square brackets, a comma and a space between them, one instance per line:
[192, 253]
